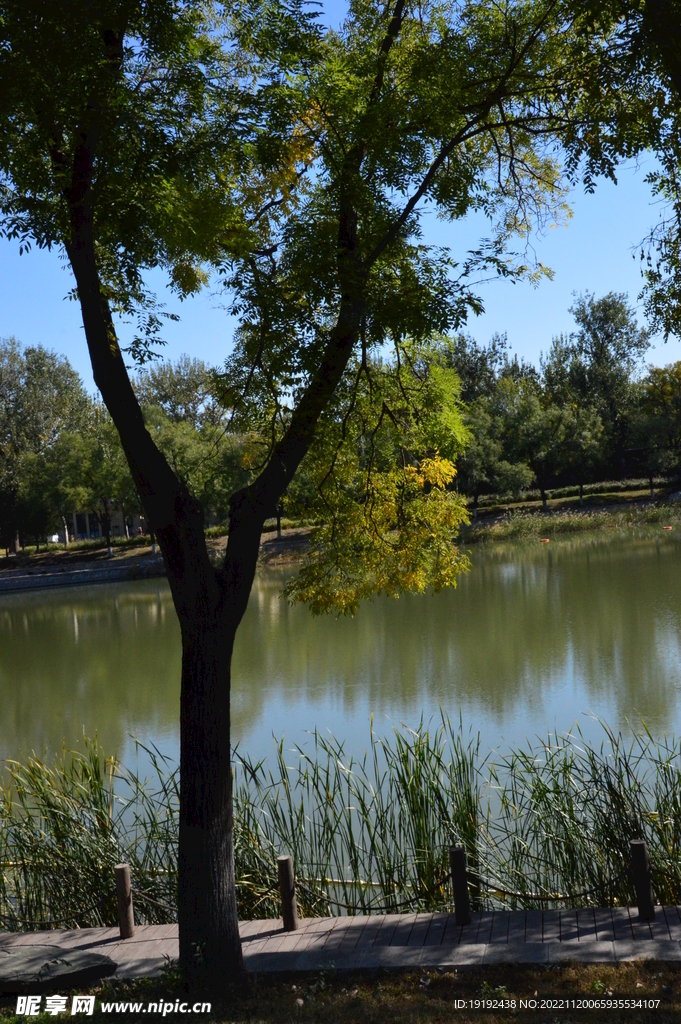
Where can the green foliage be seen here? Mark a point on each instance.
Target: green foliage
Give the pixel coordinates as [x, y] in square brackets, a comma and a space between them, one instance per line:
[40, 397]
[536, 430]
[451, 108]
[211, 462]
[137, 80]
[485, 464]
[299, 163]
[62, 452]
[383, 468]
[586, 413]
[656, 419]
[183, 391]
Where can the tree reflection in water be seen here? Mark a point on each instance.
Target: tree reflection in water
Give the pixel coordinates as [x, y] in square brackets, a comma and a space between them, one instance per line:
[533, 638]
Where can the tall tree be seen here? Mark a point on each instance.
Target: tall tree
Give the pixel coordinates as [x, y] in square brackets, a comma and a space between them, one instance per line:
[484, 466]
[609, 347]
[536, 430]
[183, 390]
[130, 137]
[478, 367]
[105, 474]
[566, 384]
[655, 429]
[41, 395]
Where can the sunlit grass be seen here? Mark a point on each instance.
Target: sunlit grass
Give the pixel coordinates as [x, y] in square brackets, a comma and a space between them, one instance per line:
[524, 525]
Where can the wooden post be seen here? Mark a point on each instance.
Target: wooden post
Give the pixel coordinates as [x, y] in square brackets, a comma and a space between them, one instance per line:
[457, 866]
[640, 866]
[126, 917]
[287, 888]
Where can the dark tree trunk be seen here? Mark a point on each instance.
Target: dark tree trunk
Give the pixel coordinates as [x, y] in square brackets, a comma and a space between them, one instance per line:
[207, 911]
[208, 615]
[106, 523]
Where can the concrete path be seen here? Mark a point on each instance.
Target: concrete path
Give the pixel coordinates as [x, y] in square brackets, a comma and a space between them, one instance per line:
[73, 574]
[396, 941]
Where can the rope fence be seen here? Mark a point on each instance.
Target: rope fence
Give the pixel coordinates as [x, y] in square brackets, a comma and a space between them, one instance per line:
[466, 887]
[638, 871]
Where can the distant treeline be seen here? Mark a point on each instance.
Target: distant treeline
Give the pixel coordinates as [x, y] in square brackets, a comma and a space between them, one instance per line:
[60, 452]
[591, 411]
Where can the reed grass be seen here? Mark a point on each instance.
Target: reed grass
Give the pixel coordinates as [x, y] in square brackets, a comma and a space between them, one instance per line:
[548, 824]
[64, 827]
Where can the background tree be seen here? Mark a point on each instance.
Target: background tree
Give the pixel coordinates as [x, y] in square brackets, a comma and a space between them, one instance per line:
[485, 465]
[655, 429]
[536, 429]
[564, 381]
[40, 397]
[187, 423]
[182, 390]
[477, 367]
[105, 474]
[608, 349]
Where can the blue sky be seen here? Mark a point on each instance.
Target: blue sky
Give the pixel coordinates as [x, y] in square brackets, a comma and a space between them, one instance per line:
[594, 253]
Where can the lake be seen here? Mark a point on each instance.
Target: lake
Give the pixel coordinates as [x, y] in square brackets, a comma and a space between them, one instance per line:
[535, 637]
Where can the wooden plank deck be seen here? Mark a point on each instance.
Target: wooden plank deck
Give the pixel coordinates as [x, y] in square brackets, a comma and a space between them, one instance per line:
[396, 941]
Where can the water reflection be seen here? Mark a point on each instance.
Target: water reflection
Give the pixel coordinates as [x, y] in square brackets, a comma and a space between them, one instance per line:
[532, 638]
[99, 659]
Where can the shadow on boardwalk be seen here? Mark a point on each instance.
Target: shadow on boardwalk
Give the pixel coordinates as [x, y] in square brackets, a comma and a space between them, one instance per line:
[405, 941]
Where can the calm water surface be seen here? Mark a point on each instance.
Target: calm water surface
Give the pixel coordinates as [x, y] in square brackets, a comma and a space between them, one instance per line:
[533, 639]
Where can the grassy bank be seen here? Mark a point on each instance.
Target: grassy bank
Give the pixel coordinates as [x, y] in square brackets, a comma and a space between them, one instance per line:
[435, 997]
[545, 825]
[533, 525]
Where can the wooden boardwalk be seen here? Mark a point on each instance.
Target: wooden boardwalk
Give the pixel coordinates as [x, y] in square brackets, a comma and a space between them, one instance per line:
[394, 941]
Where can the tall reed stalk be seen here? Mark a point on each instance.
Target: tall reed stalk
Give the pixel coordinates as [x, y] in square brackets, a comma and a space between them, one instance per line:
[64, 827]
[543, 825]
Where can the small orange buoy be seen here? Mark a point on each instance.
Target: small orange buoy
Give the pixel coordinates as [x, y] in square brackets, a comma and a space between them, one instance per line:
[545, 540]
[666, 527]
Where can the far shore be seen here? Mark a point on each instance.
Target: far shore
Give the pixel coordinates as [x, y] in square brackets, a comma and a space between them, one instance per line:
[89, 563]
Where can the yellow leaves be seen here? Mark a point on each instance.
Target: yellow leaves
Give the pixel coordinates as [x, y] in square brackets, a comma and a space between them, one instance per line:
[400, 539]
[437, 472]
[378, 482]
